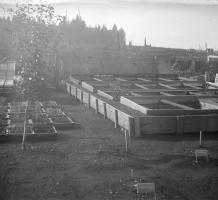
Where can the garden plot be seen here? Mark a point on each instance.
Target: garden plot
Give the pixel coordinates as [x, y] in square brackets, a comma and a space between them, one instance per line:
[183, 86]
[180, 104]
[4, 123]
[18, 118]
[160, 106]
[4, 119]
[152, 86]
[146, 94]
[193, 104]
[41, 123]
[17, 123]
[58, 118]
[177, 92]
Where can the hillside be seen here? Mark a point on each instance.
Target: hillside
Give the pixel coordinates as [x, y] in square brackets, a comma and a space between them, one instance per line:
[96, 59]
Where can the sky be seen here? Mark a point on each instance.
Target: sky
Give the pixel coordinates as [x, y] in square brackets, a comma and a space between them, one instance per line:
[167, 23]
[194, 2]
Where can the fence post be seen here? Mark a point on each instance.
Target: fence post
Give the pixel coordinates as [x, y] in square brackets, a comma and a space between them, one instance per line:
[105, 110]
[81, 96]
[24, 128]
[137, 132]
[88, 100]
[179, 124]
[96, 105]
[126, 141]
[200, 142]
[116, 118]
[70, 90]
[131, 126]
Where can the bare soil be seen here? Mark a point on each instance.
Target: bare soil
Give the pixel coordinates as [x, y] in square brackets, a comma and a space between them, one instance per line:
[89, 162]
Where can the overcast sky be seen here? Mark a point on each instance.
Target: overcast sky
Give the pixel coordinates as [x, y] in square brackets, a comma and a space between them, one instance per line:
[204, 2]
[169, 23]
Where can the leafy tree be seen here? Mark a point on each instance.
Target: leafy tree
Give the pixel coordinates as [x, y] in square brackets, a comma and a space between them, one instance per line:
[182, 66]
[36, 40]
[200, 67]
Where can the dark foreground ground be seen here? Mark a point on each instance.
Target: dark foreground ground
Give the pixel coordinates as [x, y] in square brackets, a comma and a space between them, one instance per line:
[89, 162]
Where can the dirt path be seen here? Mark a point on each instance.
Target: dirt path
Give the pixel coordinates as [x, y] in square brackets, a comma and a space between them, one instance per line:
[89, 162]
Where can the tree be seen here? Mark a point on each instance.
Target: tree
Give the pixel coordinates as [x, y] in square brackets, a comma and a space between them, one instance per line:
[182, 66]
[122, 38]
[145, 44]
[114, 28]
[36, 41]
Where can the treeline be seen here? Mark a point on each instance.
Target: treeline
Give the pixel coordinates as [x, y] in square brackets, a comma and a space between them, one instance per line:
[77, 32]
[74, 33]
[40, 41]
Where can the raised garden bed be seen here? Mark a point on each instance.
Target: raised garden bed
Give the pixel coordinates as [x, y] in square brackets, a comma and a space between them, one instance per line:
[62, 122]
[12, 123]
[59, 119]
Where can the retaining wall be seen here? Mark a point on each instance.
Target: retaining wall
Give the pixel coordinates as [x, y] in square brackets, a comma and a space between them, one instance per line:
[88, 86]
[110, 112]
[93, 102]
[79, 94]
[104, 94]
[178, 124]
[101, 109]
[73, 90]
[86, 97]
[133, 105]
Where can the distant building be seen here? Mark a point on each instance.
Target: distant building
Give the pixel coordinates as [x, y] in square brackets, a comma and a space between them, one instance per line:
[7, 76]
[212, 58]
[7, 70]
